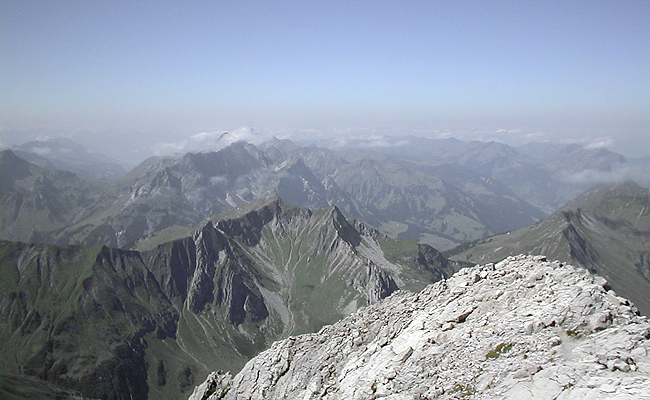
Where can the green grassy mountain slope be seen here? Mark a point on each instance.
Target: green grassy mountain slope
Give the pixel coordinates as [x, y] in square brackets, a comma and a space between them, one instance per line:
[115, 324]
[606, 229]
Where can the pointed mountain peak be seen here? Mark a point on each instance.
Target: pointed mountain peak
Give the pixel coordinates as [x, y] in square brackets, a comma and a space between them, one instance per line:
[234, 160]
[14, 168]
[273, 203]
[247, 222]
[297, 166]
[281, 144]
[345, 229]
[9, 157]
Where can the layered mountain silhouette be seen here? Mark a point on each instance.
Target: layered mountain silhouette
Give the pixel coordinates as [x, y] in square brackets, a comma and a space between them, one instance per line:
[544, 175]
[67, 155]
[119, 324]
[441, 205]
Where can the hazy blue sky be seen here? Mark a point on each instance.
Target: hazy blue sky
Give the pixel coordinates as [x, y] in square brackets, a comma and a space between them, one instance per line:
[159, 71]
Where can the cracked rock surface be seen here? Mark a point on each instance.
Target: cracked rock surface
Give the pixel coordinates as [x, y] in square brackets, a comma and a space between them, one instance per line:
[524, 328]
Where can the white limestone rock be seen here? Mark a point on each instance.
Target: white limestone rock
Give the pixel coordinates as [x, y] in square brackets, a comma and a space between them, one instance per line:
[524, 328]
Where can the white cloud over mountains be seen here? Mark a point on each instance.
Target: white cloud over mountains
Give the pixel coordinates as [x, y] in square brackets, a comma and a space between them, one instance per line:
[368, 138]
[513, 137]
[210, 141]
[600, 143]
[41, 151]
[605, 142]
[637, 173]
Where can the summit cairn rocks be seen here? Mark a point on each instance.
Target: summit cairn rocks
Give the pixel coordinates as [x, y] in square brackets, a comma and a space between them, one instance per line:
[524, 328]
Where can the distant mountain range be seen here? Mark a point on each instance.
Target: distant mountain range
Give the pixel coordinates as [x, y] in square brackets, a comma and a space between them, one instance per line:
[440, 192]
[119, 324]
[606, 230]
[67, 155]
[545, 175]
[137, 287]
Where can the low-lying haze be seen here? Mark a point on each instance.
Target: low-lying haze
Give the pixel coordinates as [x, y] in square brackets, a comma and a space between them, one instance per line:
[134, 79]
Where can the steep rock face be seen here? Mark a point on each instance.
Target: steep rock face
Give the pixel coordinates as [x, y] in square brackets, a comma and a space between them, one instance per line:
[522, 328]
[305, 257]
[380, 284]
[77, 317]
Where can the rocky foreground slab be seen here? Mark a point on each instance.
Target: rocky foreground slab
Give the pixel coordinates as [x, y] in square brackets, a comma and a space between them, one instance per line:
[524, 328]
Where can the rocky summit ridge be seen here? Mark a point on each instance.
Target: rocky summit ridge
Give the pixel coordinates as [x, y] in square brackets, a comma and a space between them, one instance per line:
[524, 328]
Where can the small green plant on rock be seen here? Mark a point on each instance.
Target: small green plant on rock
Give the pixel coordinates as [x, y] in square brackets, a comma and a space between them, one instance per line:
[463, 390]
[573, 334]
[500, 349]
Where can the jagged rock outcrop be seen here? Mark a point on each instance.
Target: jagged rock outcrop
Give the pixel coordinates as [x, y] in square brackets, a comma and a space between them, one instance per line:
[522, 328]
